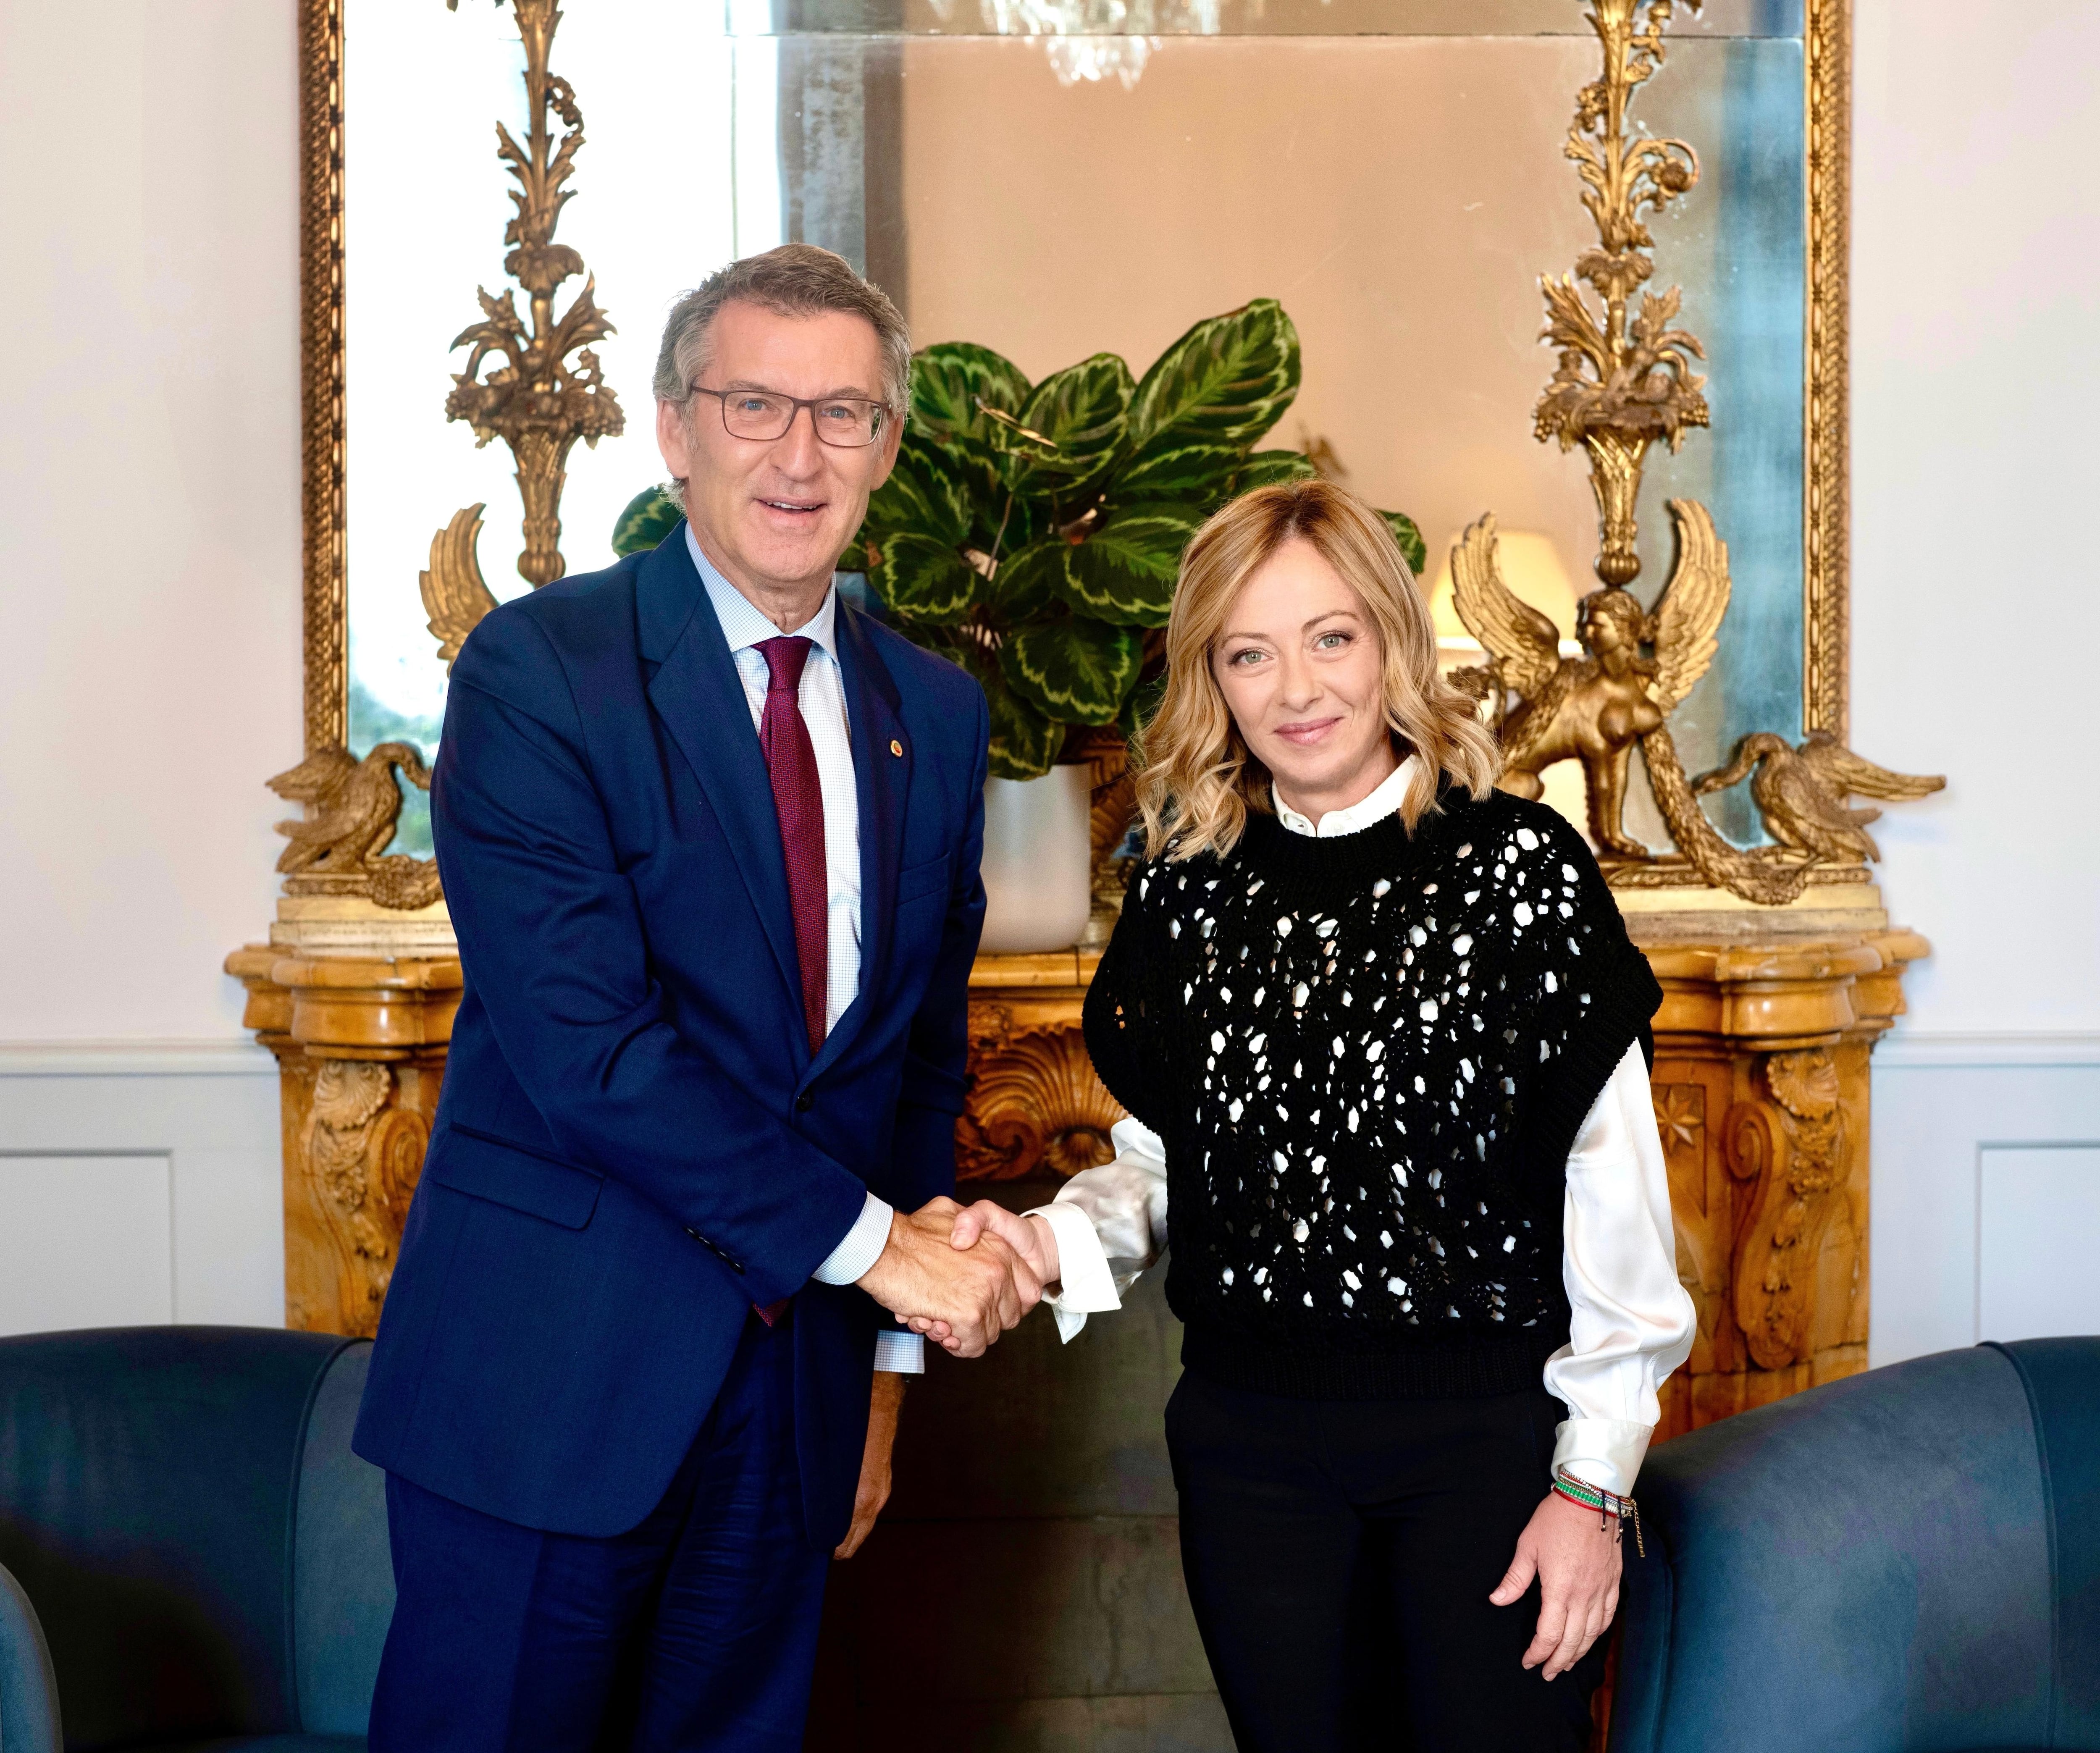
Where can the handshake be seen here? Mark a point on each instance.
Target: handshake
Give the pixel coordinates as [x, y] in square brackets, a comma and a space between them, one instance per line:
[962, 1276]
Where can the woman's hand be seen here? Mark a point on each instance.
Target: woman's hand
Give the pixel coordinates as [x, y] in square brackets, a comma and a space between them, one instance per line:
[1030, 1238]
[1577, 1564]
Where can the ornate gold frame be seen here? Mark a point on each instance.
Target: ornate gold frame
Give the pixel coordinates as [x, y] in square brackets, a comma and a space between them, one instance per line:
[1826, 502]
[1827, 407]
[324, 439]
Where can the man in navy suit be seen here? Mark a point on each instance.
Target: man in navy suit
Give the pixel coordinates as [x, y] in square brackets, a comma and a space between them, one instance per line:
[710, 839]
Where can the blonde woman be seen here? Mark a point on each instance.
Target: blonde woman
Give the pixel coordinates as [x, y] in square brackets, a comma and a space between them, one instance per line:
[1381, 1037]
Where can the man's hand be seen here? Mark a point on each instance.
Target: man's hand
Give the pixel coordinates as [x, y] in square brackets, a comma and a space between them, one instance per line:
[1031, 1238]
[873, 1492]
[975, 1295]
[1577, 1563]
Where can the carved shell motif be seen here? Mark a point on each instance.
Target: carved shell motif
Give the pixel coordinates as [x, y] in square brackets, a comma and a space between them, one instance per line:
[1805, 1083]
[1034, 1104]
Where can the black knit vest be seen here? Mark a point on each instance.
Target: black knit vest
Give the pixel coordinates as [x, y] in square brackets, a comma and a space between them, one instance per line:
[1370, 1055]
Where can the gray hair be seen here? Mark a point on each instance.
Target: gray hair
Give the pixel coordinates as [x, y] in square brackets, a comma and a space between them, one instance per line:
[796, 280]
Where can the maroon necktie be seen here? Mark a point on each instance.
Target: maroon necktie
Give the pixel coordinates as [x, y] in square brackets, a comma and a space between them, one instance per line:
[799, 801]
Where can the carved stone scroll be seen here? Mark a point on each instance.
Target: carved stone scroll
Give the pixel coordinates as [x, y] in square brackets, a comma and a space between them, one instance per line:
[1791, 1151]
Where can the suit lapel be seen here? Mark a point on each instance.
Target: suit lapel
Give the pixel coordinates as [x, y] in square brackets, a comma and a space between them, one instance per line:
[700, 698]
[882, 779]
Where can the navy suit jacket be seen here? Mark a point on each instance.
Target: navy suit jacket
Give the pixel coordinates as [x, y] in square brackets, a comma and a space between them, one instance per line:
[634, 1144]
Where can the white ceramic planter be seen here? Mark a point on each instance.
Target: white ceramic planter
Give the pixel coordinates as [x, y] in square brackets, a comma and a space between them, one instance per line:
[1037, 859]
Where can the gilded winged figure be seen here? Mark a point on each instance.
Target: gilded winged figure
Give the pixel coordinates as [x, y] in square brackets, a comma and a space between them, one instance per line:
[455, 595]
[1595, 708]
[1801, 794]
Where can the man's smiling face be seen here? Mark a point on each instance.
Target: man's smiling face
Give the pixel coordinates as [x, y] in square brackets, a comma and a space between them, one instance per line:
[774, 515]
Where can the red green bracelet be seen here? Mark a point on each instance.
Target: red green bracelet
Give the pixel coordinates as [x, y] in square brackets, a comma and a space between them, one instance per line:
[1607, 1505]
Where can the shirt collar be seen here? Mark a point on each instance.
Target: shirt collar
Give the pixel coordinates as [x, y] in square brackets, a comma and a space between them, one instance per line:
[1375, 808]
[743, 625]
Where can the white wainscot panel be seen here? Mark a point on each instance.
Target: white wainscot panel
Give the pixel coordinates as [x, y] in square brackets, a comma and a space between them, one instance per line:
[1986, 1190]
[86, 1241]
[139, 1182]
[2037, 1236]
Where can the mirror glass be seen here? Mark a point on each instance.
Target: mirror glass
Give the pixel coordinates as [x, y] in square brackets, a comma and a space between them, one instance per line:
[1057, 177]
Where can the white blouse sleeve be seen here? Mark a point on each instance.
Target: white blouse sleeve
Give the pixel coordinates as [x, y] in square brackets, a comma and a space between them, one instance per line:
[1633, 1320]
[1110, 1223]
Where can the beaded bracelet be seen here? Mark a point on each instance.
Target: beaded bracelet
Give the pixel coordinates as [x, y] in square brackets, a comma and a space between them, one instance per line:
[1606, 1503]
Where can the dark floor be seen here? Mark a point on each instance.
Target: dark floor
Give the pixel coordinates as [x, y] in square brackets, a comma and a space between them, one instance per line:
[1023, 1592]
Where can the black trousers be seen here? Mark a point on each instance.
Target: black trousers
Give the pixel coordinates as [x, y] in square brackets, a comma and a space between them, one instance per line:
[1339, 1556]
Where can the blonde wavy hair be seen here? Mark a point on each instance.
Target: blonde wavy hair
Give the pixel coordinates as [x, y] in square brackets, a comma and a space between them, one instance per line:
[1197, 777]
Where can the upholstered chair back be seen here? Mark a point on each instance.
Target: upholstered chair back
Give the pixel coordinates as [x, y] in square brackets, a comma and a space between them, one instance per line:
[205, 1556]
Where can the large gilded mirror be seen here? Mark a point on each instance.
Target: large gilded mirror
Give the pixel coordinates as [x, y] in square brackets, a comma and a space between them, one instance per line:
[1053, 178]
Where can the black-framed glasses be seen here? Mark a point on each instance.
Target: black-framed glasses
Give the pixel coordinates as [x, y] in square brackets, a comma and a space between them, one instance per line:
[850, 422]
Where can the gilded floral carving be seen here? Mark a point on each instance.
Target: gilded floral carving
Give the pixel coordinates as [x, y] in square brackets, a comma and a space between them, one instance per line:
[362, 1155]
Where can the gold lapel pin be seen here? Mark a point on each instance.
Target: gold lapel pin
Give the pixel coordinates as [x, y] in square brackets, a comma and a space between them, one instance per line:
[896, 747]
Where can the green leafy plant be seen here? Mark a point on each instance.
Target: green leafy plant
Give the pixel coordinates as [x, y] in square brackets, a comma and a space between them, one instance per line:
[1033, 533]
[650, 516]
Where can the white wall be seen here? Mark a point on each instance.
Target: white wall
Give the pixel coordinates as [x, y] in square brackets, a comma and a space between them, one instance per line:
[1975, 623]
[1976, 583]
[149, 559]
[149, 505]
[149, 645]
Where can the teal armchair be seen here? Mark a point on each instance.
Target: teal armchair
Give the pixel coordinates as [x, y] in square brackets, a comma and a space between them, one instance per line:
[1904, 1562]
[190, 1556]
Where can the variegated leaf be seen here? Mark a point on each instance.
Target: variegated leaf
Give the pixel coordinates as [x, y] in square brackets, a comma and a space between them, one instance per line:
[1125, 570]
[947, 382]
[927, 492]
[1030, 582]
[1226, 381]
[1200, 471]
[651, 516]
[1080, 410]
[1075, 671]
[922, 578]
[1025, 742]
[1143, 702]
[1409, 538]
[1266, 468]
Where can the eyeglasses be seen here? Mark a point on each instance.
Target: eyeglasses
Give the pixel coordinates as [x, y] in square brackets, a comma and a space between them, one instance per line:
[849, 422]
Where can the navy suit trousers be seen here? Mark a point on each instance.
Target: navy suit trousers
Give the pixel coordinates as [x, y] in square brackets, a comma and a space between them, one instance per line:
[697, 1630]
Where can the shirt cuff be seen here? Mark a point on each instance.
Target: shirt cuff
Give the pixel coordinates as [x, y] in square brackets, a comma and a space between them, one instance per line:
[863, 1246]
[1085, 1284]
[1603, 1452]
[900, 1354]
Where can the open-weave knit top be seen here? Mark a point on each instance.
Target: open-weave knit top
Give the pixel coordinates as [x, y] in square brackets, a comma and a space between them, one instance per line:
[1369, 1057]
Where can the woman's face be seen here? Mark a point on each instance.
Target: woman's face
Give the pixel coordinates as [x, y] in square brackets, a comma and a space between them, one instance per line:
[1302, 672]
